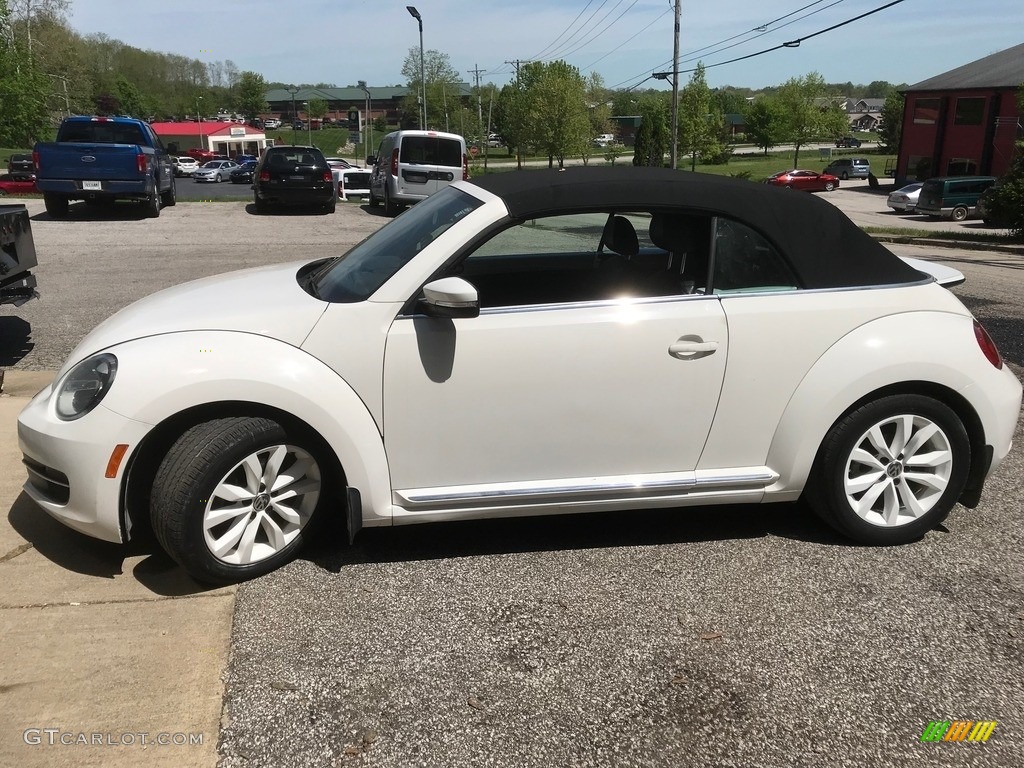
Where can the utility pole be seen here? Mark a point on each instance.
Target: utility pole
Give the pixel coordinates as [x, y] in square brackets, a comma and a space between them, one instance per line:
[516, 64]
[675, 90]
[479, 103]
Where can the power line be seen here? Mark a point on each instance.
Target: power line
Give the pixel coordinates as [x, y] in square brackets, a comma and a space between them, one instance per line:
[551, 44]
[569, 43]
[613, 50]
[598, 34]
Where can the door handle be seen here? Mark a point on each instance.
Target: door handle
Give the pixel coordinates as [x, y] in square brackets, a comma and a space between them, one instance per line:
[692, 348]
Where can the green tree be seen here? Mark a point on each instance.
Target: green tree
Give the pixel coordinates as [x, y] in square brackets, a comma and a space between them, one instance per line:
[558, 111]
[892, 120]
[130, 100]
[1006, 202]
[24, 89]
[764, 123]
[316, 109]
[512, 118]
[700, 122]
[251, 94]
[652, 136]
[809, 112]
[442, 85]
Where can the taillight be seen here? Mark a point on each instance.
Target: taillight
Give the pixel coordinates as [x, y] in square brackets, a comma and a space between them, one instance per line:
[142, 162]
[328, 176]
[465, 168]
[394, 162]
[264, 175]
[35, 159]
[988, 347]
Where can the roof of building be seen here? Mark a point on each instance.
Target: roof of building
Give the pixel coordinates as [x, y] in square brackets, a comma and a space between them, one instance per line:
[209, 128]
[840, 254]
[1004, 69]
[348, 94]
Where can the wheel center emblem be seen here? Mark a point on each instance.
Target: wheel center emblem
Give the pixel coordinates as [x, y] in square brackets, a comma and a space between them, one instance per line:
[894, 470]
[261, 502]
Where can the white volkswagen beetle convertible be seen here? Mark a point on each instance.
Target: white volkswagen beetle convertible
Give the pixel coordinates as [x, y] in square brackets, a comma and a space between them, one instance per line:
[531, 343]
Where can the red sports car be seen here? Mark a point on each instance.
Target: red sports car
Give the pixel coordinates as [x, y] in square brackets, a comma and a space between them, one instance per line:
[810, 181]
[17, 185]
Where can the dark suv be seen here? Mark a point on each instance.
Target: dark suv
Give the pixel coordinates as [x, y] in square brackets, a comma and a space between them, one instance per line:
[293, 176]
[20, 166]
[848, 141]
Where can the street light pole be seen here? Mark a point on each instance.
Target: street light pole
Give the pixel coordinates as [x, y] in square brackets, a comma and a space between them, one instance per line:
[199, 118]
[675, 90]
[309, 123]
[423, 80]
[293, 90]
[368, 138]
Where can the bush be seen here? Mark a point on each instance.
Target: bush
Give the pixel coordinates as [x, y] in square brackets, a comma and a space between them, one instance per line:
[719, 157]
[1006, 201]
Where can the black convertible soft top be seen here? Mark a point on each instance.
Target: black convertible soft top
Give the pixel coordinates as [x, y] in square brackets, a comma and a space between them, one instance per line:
[824, 247]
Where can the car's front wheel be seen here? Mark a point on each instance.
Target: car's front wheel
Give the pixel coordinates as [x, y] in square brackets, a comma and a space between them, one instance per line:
[829, 186]
[233, 497]
[891, 470]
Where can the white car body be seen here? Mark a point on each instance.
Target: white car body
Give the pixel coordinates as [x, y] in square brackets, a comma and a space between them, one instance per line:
[522, 411]
[185, 166]
[271, 123]
[904, 200]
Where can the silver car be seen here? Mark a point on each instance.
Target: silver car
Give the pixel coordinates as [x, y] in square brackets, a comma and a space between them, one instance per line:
[215, 170]
[904, 200]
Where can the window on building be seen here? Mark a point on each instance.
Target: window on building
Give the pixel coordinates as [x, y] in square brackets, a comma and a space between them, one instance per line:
[919, 168]
[961, 166]
[926, 111]
[969, 111]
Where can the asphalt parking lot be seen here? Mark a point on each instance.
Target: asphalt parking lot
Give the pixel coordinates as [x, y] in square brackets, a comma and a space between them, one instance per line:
[727, 636]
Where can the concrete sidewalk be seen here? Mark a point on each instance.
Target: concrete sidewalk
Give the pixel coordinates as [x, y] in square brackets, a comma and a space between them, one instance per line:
[105, 650]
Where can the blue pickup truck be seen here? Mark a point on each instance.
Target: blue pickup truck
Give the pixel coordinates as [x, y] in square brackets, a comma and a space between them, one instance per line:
[102, 159]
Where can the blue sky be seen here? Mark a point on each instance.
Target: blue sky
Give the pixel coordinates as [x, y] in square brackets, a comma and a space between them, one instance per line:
[342, 41]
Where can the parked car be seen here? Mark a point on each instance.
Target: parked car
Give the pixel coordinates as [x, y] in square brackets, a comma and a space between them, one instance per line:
[215, 170]
[18, 184]
[848, 141]
[20, 164]
[288, 175]
[243, 173]
[202, 155]
[243, 159]
[809, 181]
[340, 163]
[17, 254]
[904, 199]
[494, 140]
[271, 123]
[984, 210]
[184, 166]
[532, 342]
[353, 182]
[953, 197]
[604, 140]
[412, 165]
[849, 168]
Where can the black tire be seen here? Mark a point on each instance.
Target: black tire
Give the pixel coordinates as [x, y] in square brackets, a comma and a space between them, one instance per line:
[829, 186]
[885, 518]
[218, 179]
[56, 205]
[845, 176]
[960, 213]
[390, 209]
[153, 205]
[373, 202]
[3, 193]
[211, 455]
[331, 207]
[170, 197]
[260, 205]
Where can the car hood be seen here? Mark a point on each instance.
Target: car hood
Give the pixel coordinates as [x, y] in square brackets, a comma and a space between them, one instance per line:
[266, 301]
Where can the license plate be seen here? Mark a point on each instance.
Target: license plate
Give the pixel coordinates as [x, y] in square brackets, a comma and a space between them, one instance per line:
[92, 185]
[297, 178]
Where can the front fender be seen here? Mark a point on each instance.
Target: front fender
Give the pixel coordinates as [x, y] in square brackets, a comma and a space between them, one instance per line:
[161, 376]
[938, 348]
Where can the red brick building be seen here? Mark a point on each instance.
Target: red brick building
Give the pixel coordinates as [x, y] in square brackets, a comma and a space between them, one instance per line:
[963, 122]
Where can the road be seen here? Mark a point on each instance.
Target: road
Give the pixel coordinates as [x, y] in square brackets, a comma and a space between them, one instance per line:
[728, 636]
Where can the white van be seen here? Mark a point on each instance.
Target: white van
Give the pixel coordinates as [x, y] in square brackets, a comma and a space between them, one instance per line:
[412, 165]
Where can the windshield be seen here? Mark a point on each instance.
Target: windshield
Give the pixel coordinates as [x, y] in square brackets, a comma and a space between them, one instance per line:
[360, 272]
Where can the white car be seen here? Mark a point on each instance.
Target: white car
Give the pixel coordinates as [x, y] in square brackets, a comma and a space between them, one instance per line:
[214, 170]
[531, 343]
[184, 165]
[904, 200]
[271, 123]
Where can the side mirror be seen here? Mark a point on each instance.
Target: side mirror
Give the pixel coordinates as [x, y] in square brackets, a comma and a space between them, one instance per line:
[371, 160]
[450, 297]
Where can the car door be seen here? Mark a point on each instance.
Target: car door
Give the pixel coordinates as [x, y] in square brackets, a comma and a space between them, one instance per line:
[554, 390]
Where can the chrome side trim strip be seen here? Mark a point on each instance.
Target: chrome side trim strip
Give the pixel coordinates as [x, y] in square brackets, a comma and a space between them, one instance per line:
[582, 488]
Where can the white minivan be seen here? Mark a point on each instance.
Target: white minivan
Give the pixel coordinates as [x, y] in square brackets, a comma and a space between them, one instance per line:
[412, 165]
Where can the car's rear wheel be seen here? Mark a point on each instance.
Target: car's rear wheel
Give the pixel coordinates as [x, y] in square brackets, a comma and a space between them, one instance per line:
[260, 205]
[55, 205]
[829, 186]
[233, 498]
[390, 209]
[845, 176]
[891, 470]
[152, 204]
[170, 197]
[960, 213]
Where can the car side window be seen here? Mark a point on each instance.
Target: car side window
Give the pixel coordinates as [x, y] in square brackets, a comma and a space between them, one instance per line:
[744, 262]
[580, 257]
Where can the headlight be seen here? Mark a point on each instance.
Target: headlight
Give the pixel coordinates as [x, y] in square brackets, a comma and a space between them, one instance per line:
[84, 387]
